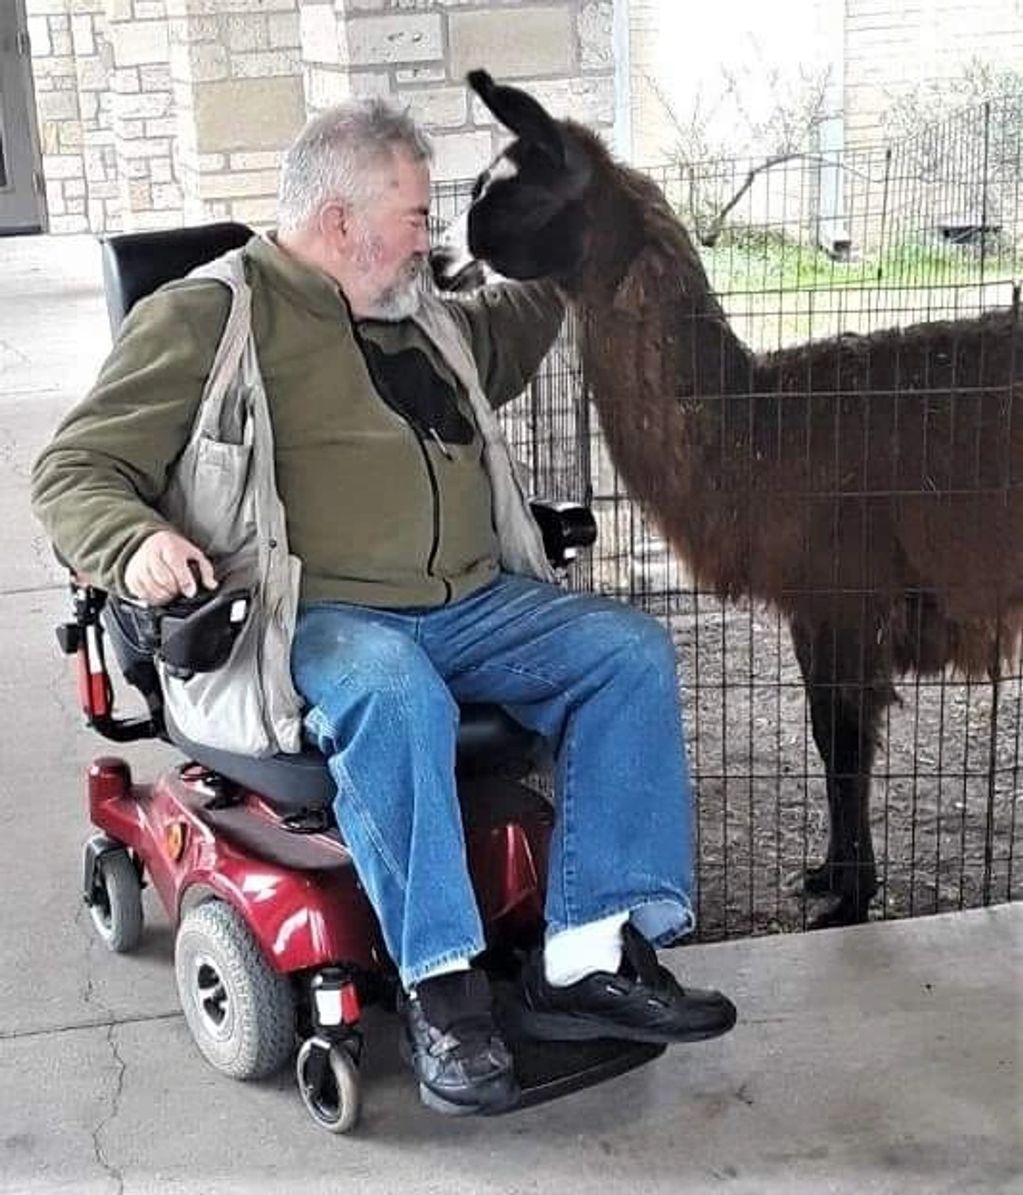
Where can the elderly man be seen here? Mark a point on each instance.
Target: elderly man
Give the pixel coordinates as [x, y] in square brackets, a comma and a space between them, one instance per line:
[397, 516]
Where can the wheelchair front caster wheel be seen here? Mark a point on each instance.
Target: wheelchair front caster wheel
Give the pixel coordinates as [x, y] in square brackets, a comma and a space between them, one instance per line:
[328, 1082]
[115, 900]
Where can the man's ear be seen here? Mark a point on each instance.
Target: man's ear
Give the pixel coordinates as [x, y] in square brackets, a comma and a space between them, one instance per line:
[334, 220]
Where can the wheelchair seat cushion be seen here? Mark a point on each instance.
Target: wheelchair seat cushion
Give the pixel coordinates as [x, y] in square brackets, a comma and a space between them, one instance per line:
[489, 740]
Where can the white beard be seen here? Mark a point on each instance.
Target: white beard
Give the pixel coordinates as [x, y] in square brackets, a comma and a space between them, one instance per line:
[401, 300]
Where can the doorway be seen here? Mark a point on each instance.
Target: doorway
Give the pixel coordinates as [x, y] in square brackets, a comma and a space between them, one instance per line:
[21, 200]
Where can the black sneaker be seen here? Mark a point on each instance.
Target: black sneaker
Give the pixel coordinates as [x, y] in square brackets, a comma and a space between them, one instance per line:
[641, 1002]
[456, 1050]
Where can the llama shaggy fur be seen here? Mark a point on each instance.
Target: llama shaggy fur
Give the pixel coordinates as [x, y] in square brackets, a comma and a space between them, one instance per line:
[870, 487]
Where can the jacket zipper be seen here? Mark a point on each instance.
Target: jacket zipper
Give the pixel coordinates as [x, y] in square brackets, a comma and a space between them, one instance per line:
[420, 440]
[435, 437]
[435, 490]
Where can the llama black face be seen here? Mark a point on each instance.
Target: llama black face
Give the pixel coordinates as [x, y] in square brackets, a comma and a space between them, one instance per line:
[453, 263]
[525, 217]
[526, 222]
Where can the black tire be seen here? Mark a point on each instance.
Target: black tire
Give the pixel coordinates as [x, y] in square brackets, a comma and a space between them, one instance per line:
[116, 902]
[335, 1102]
[240, 1011]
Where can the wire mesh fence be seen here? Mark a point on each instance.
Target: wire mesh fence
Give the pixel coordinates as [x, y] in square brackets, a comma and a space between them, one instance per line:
[809, 248]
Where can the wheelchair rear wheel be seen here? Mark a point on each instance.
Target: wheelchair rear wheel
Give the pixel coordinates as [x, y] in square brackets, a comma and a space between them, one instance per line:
[240, 1011]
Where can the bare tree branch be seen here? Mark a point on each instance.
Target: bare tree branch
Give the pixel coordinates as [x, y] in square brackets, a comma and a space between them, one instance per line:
[708, 236]
[787, 132]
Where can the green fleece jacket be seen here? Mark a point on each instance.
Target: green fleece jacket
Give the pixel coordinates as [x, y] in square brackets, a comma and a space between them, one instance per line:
[388, 503]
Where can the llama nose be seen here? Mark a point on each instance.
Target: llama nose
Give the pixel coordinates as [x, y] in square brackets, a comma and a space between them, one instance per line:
[453, 270]
[441, 260]
[456, 272]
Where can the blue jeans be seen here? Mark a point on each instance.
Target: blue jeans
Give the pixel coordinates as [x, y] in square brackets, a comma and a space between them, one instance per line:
[593, 676]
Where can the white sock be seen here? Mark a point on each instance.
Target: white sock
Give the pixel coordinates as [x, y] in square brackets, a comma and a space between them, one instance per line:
[448, 968]
[571, 954]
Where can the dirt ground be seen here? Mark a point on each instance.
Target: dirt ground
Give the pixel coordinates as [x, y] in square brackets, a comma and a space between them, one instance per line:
[946, 786]
[947, 782]
[948, 777]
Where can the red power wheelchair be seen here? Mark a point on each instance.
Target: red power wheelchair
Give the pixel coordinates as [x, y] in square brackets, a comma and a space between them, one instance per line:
[277, 948]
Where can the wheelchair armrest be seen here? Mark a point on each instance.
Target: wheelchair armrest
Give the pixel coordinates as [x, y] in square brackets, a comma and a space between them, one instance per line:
[189, 634]
[566, 527]
[83, 639]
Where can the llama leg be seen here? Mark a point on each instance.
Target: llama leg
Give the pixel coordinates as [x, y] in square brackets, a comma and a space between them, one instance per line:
[840, 674]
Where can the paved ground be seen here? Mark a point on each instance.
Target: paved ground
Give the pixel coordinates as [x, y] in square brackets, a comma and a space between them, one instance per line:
[880, 1059]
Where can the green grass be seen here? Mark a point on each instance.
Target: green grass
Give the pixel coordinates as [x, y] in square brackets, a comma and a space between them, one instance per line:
[749, 259]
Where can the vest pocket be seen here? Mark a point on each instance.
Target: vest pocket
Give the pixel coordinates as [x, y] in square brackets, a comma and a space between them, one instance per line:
[249, 706]
[223, 709]
[219, 513]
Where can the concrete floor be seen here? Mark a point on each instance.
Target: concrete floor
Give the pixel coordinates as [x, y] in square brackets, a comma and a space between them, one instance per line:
[884, 1058]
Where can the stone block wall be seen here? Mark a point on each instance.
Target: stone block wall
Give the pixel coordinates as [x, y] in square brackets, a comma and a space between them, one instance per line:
[72, 72]
[145, 122]
[237, 81]
[890, 47]
[107, 122]
[417, 52]
[154, 112]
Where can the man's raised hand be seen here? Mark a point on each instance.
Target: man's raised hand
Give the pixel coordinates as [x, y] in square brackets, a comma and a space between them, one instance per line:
[159, 571]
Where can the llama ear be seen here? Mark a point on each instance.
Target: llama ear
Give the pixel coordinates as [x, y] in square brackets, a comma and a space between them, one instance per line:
[520, 113]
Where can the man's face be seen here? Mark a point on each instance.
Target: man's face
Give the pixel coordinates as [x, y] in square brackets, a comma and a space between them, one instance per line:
[390, 241]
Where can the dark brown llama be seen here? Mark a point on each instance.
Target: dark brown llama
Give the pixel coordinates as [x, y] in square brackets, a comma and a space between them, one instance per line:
[870, 487]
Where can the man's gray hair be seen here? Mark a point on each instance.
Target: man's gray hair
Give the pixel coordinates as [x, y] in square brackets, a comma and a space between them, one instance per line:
[338, 155]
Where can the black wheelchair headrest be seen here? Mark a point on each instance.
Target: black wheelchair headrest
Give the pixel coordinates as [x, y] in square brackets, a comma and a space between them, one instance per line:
[137, 263]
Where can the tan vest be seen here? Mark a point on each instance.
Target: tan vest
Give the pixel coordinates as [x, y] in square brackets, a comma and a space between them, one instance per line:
[223, 496]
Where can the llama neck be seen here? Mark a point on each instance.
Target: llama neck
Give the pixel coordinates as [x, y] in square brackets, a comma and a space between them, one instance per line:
[641, 262]
[659, 357]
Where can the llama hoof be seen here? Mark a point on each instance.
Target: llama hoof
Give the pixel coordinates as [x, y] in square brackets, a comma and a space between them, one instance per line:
[846, 911]
[821, 880]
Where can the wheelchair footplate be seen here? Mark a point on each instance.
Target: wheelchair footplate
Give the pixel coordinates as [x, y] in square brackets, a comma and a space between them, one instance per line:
[547, 1070]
